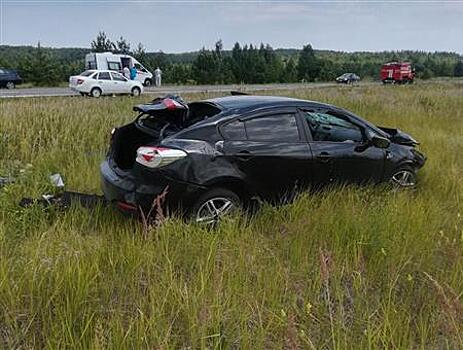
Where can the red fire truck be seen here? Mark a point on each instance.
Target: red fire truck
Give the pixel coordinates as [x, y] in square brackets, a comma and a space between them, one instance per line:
[397, 72]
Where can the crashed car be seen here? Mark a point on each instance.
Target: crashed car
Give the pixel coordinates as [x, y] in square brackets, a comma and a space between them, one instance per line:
[216, 155]
[348, 78]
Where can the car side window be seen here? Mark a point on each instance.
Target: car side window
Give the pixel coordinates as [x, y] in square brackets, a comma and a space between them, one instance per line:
[117, 76]
[278, 127]
[332, 128]
[139, 67]
[234, 130]
[114, 66]
[104, 76]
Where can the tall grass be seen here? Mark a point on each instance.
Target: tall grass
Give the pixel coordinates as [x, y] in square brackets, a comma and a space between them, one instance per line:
[348, 268]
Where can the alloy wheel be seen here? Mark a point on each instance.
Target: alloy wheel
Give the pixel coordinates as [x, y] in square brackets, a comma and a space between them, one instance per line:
[213, 209]
[404, 178]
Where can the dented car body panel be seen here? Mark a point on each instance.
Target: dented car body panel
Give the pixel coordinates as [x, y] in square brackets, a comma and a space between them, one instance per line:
[257, 146]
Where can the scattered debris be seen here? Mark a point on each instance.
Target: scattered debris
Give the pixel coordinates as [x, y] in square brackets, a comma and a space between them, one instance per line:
[65, 200]
[57, 180]
[6, 180]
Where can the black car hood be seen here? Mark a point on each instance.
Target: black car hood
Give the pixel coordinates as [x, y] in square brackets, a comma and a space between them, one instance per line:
[400, 137]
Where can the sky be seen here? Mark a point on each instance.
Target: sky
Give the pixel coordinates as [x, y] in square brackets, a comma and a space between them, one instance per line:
[187, 25]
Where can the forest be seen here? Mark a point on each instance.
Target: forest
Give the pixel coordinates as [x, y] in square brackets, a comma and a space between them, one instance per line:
[244, 63]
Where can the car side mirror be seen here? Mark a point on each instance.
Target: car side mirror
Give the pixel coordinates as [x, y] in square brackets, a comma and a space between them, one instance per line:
[380, 142]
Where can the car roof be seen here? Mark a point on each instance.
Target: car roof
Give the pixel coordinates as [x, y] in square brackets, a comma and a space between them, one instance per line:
[232, 106]
[100, 70]
[250, 102]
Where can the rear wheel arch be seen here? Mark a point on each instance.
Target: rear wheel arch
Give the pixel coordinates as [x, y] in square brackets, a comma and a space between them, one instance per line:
[237, 186]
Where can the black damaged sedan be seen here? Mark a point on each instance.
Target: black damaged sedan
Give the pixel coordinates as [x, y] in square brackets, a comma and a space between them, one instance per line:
[216, 155]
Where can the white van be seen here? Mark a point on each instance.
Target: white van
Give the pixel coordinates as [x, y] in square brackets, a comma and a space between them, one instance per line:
[117, 62]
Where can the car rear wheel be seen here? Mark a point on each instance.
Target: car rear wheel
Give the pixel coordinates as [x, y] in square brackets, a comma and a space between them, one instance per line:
[404, 177]
[136, 91]
[10, 85]
[147, 82]
[214, 205]
[95, 92]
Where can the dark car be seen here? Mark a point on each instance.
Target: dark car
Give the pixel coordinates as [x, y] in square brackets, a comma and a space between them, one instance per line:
[217, 154]
[348, 78]
[9, 78]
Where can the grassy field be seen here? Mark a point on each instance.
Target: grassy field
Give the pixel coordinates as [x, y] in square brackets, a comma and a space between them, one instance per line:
[350, 268]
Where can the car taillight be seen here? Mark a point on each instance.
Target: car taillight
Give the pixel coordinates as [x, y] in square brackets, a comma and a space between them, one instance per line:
[156, 157]
[80, 81]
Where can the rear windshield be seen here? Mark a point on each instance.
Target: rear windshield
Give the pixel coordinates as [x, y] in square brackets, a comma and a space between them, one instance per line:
[87, 73]
[166, 122]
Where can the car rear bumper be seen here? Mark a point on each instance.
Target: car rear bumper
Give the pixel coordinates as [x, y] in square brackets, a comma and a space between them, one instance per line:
[130, 192]
[77, 88]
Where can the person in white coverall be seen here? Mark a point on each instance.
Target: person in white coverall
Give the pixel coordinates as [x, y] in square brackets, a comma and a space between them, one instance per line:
[126, 72]
[157, 76]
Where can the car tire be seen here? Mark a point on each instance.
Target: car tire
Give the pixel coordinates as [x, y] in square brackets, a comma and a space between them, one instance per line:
[95, 92]
[403, 177]
[83, 94]
[213, 205]
[10, 85]
[147, 82]
[136, 91]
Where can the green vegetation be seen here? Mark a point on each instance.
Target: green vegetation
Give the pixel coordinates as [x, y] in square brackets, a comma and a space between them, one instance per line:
[243, 64]
[349, 268]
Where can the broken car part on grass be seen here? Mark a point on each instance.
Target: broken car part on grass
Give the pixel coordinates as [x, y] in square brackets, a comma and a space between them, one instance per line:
[62, 199]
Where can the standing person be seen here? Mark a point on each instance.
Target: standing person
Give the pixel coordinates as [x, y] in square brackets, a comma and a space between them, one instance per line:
[157, 76]
[126, 72]
[133, 73]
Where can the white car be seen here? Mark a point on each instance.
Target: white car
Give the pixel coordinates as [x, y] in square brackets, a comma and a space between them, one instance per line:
[104, 82]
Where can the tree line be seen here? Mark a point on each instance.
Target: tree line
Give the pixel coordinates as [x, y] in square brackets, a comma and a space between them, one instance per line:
[242, 64]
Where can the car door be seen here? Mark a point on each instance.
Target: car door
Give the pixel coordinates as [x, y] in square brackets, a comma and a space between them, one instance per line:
[341, 150]
[120, 83]
[270, 150]
[105, 82]
[142, 73]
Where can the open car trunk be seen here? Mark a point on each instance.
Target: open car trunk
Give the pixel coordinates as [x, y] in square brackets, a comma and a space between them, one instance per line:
[157, 120]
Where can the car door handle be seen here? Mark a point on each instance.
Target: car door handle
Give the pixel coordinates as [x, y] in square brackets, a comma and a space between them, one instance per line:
[324, 157]
[244, 155]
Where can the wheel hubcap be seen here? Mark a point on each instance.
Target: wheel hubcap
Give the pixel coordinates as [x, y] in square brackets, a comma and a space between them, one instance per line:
[404, 178]
[214, 209]
[10, 85]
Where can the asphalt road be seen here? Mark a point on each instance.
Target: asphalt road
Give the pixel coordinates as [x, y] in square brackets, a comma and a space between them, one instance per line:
[168, 89]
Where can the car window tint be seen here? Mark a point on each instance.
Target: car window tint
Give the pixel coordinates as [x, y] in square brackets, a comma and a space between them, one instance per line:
[117, 76]
[234, 130]
[104, 76]
[279, 127]
[328, 127]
